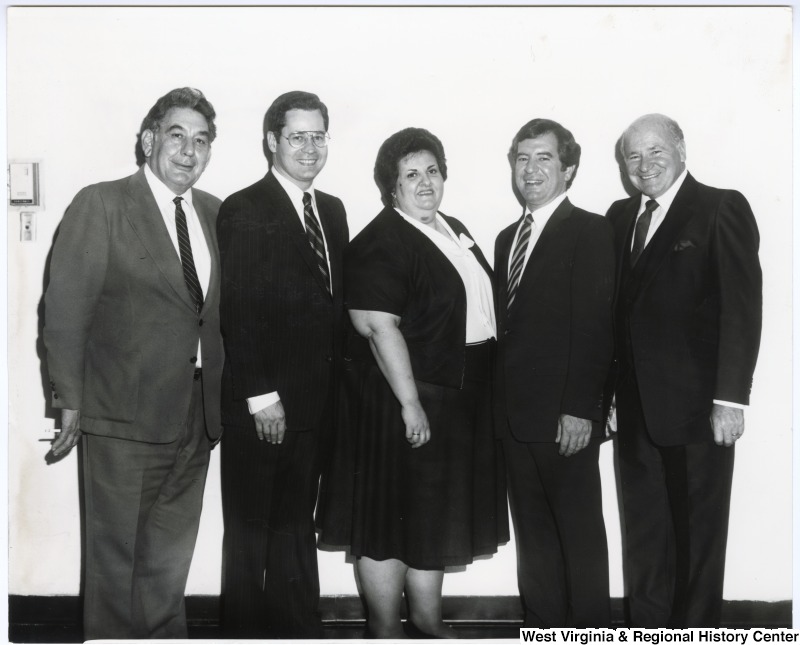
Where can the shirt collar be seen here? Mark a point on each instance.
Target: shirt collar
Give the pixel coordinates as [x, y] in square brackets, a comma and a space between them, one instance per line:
[422, 227]
[543, 214]
[293, 190]
[665, 201]
[462, 242]
[161, 191]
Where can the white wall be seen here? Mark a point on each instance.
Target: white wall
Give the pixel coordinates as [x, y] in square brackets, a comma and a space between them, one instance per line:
[80, 80]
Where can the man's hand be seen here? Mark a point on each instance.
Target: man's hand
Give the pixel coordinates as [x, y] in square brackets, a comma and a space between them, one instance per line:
[271, 423]
[70, 432]
[418, 430]
[727, 424]
[573, 434]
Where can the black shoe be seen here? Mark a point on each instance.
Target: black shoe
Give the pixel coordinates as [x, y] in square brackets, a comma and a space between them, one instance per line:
[412, 631]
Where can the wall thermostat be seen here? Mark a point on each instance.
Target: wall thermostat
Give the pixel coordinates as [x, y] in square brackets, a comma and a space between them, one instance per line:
[23, 184]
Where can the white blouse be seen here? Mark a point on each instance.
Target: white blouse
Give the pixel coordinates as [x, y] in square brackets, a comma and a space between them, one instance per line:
[481, 323]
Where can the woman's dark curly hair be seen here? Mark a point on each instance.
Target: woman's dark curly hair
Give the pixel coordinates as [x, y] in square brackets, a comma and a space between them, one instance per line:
[396, 148]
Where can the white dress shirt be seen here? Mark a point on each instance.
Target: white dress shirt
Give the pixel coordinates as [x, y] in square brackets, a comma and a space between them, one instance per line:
[295, 193]
[540, 218]
[664, 202]
[200, 252]
[481, 324]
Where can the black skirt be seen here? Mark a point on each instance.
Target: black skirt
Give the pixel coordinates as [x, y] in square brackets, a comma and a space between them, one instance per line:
[438, 505]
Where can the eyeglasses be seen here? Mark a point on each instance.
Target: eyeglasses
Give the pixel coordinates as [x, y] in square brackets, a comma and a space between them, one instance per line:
[299, 139]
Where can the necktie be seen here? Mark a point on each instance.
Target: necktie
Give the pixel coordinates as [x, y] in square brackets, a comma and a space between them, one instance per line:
[314, 233]
[187, 260]
[518, 258]
[640, 233]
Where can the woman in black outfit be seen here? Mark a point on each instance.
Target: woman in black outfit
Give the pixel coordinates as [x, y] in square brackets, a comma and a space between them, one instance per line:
[415, 484]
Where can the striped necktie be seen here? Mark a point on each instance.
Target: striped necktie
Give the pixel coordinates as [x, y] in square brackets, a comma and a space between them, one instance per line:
[640, 232]
[518, 258]
[187, 260]
[314, 233]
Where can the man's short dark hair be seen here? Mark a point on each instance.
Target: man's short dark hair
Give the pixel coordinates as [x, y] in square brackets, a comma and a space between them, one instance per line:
[275, 118]
[182, 97]
[569, 151]
[397, 147]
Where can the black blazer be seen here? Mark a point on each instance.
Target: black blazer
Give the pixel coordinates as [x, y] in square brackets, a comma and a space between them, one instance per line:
[689, 314]
[280, 326]
[556, 343]
[390, 266]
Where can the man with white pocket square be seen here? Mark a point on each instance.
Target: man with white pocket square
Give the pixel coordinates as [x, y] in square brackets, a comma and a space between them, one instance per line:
[688, 327]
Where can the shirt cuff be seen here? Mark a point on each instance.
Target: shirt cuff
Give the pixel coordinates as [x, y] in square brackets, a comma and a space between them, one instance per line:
[258, 403]
[738, 406]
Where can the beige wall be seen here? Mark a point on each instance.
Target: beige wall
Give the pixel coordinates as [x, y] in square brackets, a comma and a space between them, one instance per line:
[81, 79]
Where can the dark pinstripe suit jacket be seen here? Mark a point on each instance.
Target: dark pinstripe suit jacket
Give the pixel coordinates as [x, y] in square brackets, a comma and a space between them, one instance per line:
[281, 327]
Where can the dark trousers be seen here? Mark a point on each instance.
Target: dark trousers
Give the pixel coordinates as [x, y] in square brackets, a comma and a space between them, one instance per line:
[143, 504]
[562, 554]
[270, 576]
[676, 501]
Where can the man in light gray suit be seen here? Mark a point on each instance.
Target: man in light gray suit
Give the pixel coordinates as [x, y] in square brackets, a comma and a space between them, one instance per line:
[135, 358]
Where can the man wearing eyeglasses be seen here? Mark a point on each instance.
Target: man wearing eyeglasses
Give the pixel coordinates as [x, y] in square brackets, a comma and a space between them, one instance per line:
[281, 244]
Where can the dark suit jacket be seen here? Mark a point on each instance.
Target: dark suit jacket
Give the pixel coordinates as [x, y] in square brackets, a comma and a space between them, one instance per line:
[281, 327]
[121, 329]
[391, 266]
[556, 342]
[689, 314]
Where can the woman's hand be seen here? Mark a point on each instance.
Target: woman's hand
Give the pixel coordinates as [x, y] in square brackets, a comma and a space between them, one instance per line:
[391, 353]
[418, 432]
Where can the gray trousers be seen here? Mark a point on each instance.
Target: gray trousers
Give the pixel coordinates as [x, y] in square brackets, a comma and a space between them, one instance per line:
[142, 509]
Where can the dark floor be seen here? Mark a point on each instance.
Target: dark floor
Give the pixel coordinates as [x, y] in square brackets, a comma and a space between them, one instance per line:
[57, 619]
[62, 634]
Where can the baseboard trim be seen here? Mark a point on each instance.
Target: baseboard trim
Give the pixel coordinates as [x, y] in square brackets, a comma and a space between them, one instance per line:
[26, 613]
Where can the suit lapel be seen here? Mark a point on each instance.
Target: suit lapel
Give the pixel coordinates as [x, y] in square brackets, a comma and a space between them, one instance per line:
[538, 260]
[460, 230]
[658, 249]
[332, 236]
[501, 270]
[623, 232]
[145, 218]
[206, 223]
[295, 230]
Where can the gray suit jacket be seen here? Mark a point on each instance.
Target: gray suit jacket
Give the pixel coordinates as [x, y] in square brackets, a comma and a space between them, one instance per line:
[121, 330]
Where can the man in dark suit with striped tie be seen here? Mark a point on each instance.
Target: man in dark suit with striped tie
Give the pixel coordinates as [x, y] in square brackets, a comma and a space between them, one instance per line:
[281, 244]
[555, 274]
[688, 326]
[135, 358]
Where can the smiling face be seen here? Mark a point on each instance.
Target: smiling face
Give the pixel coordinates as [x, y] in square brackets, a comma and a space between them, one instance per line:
[179, 150]
[539, 175]
[420, 187]
[653, 159]
[299, 165]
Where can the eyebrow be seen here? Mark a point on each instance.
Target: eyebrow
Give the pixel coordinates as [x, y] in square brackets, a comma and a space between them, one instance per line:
[178, 126]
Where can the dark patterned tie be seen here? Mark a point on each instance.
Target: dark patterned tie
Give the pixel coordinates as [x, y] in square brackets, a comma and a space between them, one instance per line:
[187, 260]
[640, 233]
[314, 233]
[518, 258]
